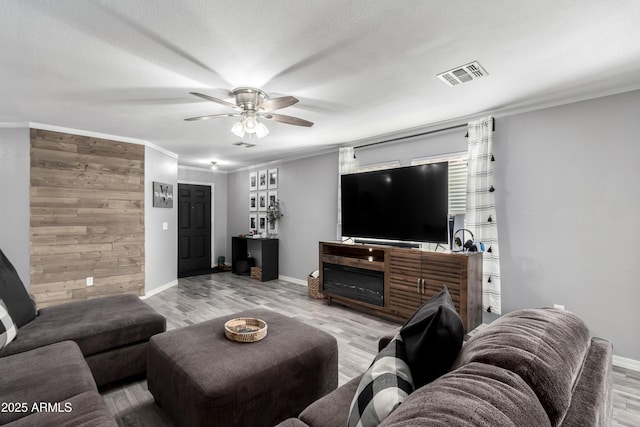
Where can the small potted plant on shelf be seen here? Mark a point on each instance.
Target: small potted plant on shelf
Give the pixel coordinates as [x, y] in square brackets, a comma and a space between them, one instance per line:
[273, 215]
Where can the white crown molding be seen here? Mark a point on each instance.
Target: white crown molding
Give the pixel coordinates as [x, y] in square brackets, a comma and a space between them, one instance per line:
[14, 125]
[551, 103]
[404, 134]
[201, 169]
[53, 128]
[407, 134]
[83, 132]
[333, 149]
[160, 149]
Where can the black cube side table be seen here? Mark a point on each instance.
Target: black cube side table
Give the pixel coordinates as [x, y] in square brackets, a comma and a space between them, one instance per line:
[265, 251]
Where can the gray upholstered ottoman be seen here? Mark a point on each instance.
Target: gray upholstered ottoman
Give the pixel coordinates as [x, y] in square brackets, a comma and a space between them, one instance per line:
[200, 378]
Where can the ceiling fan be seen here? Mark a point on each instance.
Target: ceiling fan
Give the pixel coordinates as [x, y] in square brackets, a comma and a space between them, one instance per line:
[251, 104]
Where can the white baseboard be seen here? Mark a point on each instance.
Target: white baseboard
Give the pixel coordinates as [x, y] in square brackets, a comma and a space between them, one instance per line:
[159, 289]
[623, 362]
[293, 280]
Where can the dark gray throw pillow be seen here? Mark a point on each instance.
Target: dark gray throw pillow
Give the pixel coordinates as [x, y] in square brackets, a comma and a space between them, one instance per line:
[14, 294]
[432, 337]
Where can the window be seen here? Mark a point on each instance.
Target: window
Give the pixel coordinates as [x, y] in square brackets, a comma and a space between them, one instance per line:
[457, 179]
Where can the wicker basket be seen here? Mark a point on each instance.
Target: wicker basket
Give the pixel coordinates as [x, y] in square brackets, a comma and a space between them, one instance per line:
[313, 285]
[256, 273]
[245, 329]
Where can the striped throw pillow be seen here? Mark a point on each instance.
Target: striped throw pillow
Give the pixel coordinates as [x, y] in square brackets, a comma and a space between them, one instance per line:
[8, 328]
[385, 385]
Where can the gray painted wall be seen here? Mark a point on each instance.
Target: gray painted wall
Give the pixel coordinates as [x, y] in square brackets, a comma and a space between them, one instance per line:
[218, 180]
[161, 246]
[566, 180]
[307, 190]
[567, 200]
[14, 208]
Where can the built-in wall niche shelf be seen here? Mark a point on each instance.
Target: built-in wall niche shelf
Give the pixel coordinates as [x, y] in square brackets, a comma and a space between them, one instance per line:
[393, 282]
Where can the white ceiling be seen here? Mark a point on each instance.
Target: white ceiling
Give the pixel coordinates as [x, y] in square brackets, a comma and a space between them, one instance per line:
[360, 68]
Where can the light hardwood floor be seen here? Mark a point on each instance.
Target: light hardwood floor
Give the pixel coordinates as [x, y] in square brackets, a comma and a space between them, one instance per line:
[199, 298]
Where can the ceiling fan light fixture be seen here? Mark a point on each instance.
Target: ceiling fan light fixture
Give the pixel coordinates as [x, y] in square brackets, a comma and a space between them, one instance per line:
[250, 124]
[252, 104]
[238, 129]
[261, 130]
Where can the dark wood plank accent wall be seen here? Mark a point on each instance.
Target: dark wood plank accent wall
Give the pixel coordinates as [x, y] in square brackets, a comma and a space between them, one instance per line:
[87, 217]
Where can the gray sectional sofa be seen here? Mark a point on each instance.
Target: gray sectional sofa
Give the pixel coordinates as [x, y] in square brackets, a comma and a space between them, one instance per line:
[534, 367]
[61, 354]
[112, 333]
[51, 386]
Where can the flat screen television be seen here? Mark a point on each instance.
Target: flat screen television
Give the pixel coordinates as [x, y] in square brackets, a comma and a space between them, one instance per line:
[401, 204]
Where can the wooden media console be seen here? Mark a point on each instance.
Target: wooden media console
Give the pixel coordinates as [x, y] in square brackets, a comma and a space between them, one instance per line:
[393, 282]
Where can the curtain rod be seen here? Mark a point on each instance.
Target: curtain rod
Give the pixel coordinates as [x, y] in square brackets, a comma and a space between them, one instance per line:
[420, 134]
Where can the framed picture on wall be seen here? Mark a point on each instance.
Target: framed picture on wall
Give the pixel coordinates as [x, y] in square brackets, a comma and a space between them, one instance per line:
[272, 178]
[253, 222]
[162, 195]
[262, 179]
[272, 196]
[262, 201]
[262, 222]
[253, 181]
[253, 201]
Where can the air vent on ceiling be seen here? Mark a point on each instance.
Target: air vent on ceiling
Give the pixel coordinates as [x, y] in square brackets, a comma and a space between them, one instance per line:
[244, 144]
[463, 74]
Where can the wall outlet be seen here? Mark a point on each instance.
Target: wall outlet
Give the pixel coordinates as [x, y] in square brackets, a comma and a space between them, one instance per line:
[558, 306]
[89, 281]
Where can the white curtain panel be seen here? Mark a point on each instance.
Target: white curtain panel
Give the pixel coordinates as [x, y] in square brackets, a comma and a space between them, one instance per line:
[346, 164]
[481, 207]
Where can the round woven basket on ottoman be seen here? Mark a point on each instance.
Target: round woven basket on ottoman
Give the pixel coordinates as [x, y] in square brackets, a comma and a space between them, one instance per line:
[245, 329]
[199, 377]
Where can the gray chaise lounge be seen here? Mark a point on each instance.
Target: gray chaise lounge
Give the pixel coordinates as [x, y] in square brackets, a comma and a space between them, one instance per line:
[61, 354]
[112, 332]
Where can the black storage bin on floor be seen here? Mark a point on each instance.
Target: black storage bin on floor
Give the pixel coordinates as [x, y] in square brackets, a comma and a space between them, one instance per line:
[243, 266]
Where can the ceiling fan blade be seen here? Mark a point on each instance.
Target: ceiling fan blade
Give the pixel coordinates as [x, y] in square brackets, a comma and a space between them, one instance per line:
[190, 119]
[287, 119]
[219, 101]
[277, 103]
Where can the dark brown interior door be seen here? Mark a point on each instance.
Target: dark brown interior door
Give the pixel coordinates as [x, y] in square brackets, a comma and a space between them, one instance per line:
[194, 228]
